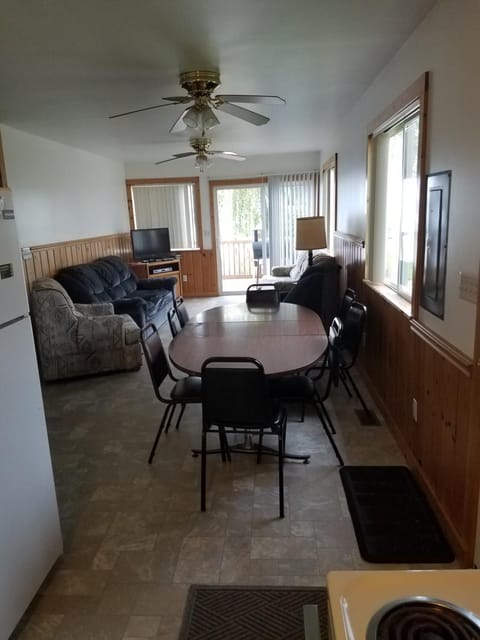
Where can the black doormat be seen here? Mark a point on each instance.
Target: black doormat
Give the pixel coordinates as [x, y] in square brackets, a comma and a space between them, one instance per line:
[392, 519]
[214, 612]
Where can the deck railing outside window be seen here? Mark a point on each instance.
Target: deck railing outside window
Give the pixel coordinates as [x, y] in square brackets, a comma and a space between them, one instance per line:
[237, 259]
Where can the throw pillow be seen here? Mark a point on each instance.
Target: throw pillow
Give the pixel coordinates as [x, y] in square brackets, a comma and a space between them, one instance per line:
[300, 265]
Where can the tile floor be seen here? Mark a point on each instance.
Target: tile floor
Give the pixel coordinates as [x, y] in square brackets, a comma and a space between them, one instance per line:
[133, 534]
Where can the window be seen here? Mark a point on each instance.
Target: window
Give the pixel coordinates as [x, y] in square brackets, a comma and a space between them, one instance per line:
[395, 173]
[401, 206]
[171, 203]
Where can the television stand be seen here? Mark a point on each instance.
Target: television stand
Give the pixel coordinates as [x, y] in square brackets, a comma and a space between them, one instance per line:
[164, 268]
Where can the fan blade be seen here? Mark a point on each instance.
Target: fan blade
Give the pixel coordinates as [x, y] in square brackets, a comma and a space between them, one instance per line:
[157, 106]
[251, 99]
[182, 99]
[243, 114]
[179, 124]
[177, 156]
[228, 155]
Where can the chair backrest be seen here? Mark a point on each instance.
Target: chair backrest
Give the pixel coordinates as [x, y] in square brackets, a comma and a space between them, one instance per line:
[182, 311]
[235, 393]
[155, 356]
[353, 328]
[334, 346]
[174, 322]
[348, 297]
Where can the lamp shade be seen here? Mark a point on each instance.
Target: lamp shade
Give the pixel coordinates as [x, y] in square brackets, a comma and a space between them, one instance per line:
[311, 233]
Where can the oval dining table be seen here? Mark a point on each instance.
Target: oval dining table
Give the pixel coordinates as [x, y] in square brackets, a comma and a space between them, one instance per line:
[285, 339]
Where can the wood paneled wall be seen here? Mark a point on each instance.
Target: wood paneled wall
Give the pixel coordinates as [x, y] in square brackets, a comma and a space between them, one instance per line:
[199, 268]
[350, 254]
[401, 363]
[199, 272]
[45, 260]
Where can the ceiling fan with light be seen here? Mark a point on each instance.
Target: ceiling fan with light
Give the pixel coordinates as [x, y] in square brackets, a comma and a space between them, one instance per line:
[200, 86]
[203, 154]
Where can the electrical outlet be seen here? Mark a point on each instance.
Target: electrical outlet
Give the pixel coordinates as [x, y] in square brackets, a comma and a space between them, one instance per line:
[185, 277]
[414, 410]
[468, 288]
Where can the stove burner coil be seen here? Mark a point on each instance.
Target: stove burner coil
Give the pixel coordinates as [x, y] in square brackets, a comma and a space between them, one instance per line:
[423, 618]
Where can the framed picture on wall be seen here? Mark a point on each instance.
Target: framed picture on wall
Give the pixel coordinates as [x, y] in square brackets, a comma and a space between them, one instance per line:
[436, 242]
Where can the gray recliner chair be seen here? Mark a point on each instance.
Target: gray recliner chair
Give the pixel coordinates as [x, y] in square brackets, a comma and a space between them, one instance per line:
[80, 339]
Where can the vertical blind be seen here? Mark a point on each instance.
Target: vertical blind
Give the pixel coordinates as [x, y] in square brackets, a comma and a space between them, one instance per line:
[167, 205]
[290, 197]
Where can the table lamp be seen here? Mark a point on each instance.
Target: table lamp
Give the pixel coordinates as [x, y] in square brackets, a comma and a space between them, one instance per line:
[311, 235]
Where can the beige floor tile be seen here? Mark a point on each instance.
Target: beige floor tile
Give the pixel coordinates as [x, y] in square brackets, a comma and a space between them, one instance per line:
[134, 535]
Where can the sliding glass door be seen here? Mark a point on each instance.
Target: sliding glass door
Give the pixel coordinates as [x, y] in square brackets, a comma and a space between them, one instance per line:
[240, 214]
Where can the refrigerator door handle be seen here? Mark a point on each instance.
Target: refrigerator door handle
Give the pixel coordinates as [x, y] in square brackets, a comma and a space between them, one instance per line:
[12, 321]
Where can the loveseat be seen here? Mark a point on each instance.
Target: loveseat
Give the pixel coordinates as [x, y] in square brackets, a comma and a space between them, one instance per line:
[110, 279]
[80, 339]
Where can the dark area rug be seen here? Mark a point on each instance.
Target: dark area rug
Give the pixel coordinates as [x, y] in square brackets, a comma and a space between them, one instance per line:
[215, 612]
[392, 519]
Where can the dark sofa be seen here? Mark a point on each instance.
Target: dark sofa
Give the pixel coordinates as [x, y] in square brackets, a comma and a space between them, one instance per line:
[317, 289]
[109, 279]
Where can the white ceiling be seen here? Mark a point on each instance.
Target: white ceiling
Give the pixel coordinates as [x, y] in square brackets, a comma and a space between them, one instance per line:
[66, 65]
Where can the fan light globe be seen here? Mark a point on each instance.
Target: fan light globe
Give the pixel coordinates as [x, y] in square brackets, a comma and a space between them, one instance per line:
[202, 162]
[201, 118]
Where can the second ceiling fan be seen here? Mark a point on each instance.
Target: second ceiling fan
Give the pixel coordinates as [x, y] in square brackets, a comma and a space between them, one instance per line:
[203, 154]
[200, 86]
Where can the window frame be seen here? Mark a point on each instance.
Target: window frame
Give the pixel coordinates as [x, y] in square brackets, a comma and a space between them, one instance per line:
[193, 180]
[329, 169]
[398, 110]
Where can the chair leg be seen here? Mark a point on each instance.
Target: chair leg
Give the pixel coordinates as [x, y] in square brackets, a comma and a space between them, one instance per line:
[159, 432]
[182, 409]
[281, 452]
[302, 412]
[203, 473]
[320, 400]
[224, 448]
[357, 392]
[343, 380]
[259, 447]
[319, 407]
[168, 421]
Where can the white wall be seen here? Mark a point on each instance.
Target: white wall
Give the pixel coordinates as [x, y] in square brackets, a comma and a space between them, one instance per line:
[221, 169]
[62, 193]
[446, 44]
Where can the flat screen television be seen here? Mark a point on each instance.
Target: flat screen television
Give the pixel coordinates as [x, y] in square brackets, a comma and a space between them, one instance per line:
[151, 244]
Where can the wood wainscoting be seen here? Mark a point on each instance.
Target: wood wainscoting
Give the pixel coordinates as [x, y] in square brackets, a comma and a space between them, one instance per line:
[199, 268]
[199, 271]
[349, 252]
[44, 261]
[402, 362]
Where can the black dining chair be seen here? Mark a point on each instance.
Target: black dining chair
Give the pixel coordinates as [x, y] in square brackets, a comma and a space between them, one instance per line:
[349, 296]
[182, 311]
[347, 345]
[174, 321]
[344, 343]
[301, 389]
[185, 391]
[236, 398]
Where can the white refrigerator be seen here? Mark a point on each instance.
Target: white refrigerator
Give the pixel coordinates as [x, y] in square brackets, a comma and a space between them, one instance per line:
[30, 537]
